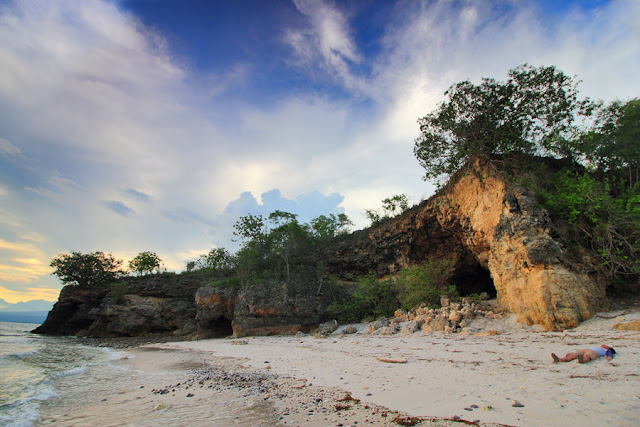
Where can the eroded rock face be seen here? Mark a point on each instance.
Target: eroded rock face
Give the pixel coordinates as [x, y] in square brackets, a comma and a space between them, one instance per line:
[154, 304]
[503, 243]
[259, 310]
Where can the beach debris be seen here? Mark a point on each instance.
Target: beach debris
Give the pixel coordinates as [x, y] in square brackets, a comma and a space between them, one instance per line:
[239, 342]
[516, 404]
[388, 360]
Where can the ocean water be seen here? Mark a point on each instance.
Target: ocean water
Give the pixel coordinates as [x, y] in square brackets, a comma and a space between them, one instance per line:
[66, 381]
[31, 366]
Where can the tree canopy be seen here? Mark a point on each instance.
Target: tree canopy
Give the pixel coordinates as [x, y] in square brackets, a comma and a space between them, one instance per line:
[86, 270]
[145, 262]
[535, 111]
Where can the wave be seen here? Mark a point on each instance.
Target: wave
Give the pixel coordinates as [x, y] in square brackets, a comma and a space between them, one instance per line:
[71, 372]
[22, 355]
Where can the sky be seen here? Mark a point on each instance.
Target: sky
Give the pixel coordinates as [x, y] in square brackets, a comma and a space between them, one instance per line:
[153, 125]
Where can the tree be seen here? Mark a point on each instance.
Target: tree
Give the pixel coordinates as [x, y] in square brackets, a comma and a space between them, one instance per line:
[249, 227]
[534, 112]
[326, 227]
[216, 259]
[391, 207]
[614, 141]
[86, 270]
[145, 262]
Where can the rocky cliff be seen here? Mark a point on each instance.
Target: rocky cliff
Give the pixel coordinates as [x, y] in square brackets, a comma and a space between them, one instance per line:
[503, 241]
[504, 244]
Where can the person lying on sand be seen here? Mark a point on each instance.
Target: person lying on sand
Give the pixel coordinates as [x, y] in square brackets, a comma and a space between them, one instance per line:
[587, 354]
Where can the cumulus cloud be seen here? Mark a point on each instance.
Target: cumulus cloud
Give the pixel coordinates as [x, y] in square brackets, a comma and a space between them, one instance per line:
[99, 114]
[306, 206]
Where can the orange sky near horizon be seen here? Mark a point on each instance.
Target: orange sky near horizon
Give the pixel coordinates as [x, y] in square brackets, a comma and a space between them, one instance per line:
[29, 294]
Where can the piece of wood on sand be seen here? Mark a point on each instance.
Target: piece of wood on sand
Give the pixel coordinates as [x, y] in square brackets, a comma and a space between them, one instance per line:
[387, 360]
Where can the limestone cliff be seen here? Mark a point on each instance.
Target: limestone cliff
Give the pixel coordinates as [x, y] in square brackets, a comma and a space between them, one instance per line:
[503, 242]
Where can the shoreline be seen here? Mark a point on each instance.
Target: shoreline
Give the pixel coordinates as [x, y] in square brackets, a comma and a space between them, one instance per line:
[502, 379]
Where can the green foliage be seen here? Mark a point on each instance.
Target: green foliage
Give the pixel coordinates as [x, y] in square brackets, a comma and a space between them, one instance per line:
[614, 141]
[391, 207]
[533, 112]
[86, 270]
[425, 283]
[249, 228]
[145, 262]
[227, 282]
[327, 227]
[118, 290]
[372, 298]
[217, 259]
[603, 215]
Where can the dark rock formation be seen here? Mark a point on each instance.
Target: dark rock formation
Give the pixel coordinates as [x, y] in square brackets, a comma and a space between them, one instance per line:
[258, 310]
[154, 304]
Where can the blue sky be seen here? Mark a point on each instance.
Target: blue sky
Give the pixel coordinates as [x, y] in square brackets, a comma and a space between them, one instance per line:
[136, 125]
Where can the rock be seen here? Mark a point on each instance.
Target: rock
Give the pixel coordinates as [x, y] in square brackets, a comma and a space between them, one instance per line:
[445, 301]
[455, 316]
[401, 315]
[380, 323]
[437, 324]
[410, 328]
[488, 333]
[328, 327]
[385, 330]
[505, 244]
[350, 329]
[628, 326]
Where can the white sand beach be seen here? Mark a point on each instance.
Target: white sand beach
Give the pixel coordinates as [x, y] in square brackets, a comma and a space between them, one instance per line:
[508, 378]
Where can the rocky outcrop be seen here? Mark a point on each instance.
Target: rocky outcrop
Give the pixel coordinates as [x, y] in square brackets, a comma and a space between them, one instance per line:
[258, 310]
[135, 306]
[503, 242]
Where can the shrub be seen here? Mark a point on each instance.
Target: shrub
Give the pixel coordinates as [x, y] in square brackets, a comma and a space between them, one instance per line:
[371, 298]
[425, 283]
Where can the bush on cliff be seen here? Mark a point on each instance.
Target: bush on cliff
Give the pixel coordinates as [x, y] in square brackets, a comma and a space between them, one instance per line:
[87, 270]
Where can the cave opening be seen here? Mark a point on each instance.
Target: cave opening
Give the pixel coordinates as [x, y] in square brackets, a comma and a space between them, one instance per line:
[474, 279]
[218, 328]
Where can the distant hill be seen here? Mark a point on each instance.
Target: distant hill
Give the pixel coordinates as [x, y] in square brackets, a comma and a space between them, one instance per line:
[37, 317]
[35, 305]
[25, 312]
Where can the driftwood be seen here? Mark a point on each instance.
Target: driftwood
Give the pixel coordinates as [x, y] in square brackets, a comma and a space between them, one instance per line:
[613, 317]
[386, 360]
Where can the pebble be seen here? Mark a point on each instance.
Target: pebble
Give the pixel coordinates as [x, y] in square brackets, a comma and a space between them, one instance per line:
[516, 404]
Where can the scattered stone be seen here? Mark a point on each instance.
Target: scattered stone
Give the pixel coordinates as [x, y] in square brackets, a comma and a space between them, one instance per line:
[628, 326]
[516, 404]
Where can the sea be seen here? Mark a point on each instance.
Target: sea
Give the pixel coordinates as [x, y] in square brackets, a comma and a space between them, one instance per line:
[50, 380]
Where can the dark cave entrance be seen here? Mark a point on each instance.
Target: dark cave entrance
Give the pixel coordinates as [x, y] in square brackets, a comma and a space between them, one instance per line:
[217, 328]
[472, 278]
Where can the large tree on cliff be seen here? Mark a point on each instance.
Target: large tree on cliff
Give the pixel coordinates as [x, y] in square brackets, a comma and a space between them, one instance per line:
[87, 270]
[534, 111]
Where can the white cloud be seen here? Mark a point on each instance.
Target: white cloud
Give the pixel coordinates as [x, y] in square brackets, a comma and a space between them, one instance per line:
[103, 112]
[8, 149]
